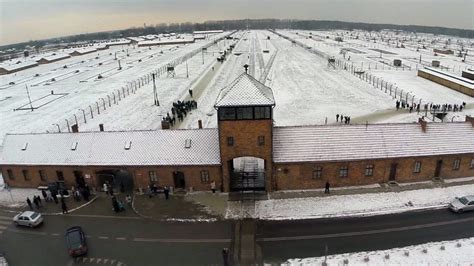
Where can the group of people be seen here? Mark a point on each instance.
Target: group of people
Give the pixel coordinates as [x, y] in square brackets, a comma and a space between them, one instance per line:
[342, 118]
[431, 107]
[179, 111]
[52, 196]
[82, 192]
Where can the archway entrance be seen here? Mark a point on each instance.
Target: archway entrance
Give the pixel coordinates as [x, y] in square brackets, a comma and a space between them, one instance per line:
[116, 178]
[247, 173]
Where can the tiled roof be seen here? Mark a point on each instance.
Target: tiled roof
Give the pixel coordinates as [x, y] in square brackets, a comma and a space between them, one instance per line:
[161, 147]
[358, 142]
[245, 91]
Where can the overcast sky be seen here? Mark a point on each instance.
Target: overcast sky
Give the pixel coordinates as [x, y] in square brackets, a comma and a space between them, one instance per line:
[23, 20]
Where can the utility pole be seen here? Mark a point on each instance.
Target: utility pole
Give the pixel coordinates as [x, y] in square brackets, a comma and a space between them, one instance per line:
[155, 94]
[187, 71]
[29, 98]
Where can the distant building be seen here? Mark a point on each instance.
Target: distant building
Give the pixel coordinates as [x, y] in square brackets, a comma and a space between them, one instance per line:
[52, 58]
[12, 68]
[83, 51]
[245, 152]
[166, 42]
[457, 83]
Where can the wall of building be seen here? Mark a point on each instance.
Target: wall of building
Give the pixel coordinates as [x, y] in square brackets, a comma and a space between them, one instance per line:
[447, 83]
[140, 175]
[300, 175]
[245, 134]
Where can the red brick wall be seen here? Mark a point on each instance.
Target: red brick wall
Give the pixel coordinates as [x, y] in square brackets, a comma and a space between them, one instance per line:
[299, 175]
[140, 175]
[245, 134]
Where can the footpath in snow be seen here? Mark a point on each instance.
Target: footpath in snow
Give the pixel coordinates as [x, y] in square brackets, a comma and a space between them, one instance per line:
[456, 252]
[349, 205]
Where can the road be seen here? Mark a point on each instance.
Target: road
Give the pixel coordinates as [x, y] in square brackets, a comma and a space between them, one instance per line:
[281, 240]
[116, 241]
[137, 241]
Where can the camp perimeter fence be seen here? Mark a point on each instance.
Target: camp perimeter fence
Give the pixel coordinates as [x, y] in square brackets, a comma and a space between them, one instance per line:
[404, 96]
[130, 88]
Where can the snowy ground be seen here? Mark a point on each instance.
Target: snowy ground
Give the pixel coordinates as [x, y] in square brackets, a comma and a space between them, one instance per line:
[456, 252]
[349, 205]
[16, 197]
[83, 90]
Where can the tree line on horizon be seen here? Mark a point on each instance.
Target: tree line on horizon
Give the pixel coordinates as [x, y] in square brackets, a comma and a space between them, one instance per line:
[242, 25]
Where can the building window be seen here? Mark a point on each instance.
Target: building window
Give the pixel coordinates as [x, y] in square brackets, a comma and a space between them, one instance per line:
[42, 175]
[472, 164]
[10, 174]
[204, 176]
[60, 175]
[152, 176]
[230, 141]
[26, 175]
[456, 164]
[369, 170]
[261, 140]
[318, 172]
[417, 167]
[344, 171]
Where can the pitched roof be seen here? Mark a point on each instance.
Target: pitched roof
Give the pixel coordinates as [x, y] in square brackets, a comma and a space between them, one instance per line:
[245, 90]
[378, 141]
[160, 147]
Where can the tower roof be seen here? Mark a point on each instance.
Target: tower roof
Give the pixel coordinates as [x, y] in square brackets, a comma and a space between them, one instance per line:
[245, 90]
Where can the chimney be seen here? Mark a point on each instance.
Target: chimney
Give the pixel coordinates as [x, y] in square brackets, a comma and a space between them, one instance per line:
[75, 128]
[200, 124]
[423, 124]
[470, 119]
[101, 127]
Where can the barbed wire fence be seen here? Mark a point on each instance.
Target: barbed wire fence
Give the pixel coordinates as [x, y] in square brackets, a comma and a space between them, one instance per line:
[117, 95]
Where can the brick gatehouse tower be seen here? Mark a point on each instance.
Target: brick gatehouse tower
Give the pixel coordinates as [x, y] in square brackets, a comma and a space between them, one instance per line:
[245, 128]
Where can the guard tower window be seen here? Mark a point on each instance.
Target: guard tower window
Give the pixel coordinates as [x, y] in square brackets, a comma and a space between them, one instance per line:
[230, 141]
[262, 112]
[244, 113]
[227, 113]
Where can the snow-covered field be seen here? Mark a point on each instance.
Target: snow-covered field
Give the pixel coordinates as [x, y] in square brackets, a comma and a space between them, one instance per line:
[307, 90]
[455, 252]
[349, 205]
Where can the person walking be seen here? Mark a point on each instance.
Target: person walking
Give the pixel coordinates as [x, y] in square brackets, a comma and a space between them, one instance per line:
[225, 256]
[38, 199]
[55, 197]
[213, 186]
[28, 201]
[106, 188]
[63, 206]
[167, 193]
[326, 191]
[128, 199]
[45, 196]
[337, 117]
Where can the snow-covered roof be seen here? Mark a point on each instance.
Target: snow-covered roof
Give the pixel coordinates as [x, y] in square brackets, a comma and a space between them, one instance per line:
[448, 76]
[358, 142]
[208, 31]
[54, 57]
[165, 42]
[245, 90]
[12, 67]
[84, 50]
[160, 147]
[136, 39]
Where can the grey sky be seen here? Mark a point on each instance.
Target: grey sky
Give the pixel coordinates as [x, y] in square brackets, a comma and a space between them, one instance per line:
[23, 20]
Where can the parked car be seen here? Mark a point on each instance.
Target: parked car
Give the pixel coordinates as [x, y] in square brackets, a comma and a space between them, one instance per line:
[76, 241]
[28, 218]
[462, 204]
